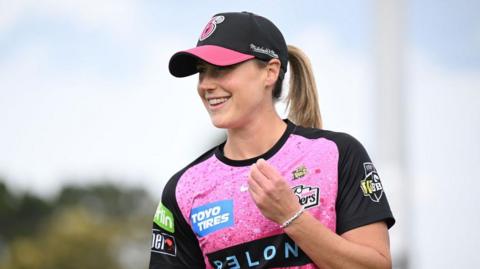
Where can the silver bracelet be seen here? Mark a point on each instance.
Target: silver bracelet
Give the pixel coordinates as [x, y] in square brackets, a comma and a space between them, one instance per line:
[290, 220]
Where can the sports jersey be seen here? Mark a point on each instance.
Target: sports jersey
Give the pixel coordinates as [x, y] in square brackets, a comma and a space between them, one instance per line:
[207, 218]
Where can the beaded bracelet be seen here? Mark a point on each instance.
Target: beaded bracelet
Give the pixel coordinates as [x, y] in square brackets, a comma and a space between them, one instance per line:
[290, 220]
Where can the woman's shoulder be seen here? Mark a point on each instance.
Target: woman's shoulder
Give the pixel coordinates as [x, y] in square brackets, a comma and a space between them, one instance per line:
[348, 147]
[342, 139]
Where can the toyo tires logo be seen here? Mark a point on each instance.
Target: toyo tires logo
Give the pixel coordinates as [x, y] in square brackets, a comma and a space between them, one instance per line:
[212, 217]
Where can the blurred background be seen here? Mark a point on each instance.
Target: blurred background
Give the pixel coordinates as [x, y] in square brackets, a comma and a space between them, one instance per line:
[92, 125]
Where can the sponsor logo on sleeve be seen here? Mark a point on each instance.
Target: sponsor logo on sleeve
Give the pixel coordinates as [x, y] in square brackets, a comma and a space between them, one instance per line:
[371, 185]
[308, 196]
[212, 217]
[300, 172]
[163, 243]
[164, 218]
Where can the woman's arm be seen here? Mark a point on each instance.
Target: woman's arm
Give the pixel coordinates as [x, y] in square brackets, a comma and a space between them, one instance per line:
[363, 247]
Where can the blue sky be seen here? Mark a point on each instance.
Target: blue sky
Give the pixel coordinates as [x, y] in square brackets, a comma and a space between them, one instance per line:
[93, 48]
[449, 31]
[60, 60]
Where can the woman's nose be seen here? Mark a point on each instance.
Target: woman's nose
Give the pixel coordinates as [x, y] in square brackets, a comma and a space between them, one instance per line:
[206, 81]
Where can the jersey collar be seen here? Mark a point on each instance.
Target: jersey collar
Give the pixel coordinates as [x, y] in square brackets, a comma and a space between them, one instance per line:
[267, 155]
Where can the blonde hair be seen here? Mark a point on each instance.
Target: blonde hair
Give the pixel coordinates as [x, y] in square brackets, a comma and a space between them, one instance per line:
[302, 99]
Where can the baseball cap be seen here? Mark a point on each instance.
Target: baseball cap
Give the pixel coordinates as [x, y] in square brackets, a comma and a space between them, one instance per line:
[230, 38]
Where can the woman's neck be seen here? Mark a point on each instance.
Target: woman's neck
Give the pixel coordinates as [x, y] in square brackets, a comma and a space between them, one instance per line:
[254, 139]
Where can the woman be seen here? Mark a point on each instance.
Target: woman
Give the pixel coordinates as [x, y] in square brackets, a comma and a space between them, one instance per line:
[276, 193]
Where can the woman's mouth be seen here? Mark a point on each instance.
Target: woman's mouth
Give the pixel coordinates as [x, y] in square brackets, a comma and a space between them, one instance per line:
[216, 103]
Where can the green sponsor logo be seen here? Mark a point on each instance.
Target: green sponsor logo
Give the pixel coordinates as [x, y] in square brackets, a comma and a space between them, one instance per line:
[164, 218]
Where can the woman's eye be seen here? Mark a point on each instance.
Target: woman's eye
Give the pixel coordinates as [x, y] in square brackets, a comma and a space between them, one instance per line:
[224, 68]
[214, 70]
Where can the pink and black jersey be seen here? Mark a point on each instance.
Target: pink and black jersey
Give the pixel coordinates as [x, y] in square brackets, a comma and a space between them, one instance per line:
[207, 219]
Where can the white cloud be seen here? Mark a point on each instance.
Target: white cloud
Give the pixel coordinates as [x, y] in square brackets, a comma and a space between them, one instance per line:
[79, 125]
[57, 125]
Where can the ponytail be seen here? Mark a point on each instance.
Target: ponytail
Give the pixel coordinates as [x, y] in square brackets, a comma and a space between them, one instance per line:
[302, 99]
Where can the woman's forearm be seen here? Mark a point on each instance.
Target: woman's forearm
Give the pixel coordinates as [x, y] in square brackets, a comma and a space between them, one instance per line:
[330, 250]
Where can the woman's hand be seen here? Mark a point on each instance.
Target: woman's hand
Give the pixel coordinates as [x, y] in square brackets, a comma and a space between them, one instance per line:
[363, 247]
[271, 192]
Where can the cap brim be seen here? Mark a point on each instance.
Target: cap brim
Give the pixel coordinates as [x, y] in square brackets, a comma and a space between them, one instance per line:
[183, 63]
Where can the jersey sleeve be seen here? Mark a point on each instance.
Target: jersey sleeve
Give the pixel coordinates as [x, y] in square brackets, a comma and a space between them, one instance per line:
[361, 199]
[174, 245]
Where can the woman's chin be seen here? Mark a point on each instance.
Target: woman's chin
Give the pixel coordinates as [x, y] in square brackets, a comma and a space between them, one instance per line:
[220, 123]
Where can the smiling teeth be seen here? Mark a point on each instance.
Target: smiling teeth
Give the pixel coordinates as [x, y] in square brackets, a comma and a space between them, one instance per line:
[217, 101]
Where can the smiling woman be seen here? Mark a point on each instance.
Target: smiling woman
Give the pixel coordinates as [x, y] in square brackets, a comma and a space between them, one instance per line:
[277, 190]
[231, 93]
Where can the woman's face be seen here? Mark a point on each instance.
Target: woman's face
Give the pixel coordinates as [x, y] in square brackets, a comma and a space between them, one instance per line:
[234, 95]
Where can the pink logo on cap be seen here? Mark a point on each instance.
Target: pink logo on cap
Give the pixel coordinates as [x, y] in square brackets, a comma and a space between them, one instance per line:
[210, 27]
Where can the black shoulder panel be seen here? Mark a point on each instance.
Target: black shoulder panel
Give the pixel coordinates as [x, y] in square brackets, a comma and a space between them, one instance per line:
[174, 245]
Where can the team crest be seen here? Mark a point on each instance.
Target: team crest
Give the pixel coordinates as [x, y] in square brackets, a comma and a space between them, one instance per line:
[308, 196]
[211, 26]
[371, 185]
[300, 172]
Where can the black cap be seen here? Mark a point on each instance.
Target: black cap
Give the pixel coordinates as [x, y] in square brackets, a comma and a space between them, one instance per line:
[231, 38]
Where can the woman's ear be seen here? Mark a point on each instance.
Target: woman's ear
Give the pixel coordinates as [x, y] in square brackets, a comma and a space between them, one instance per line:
[273, 69]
